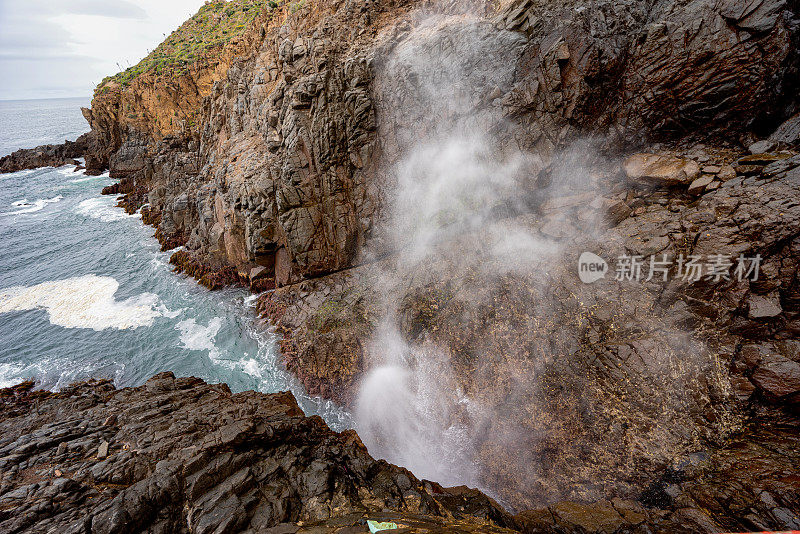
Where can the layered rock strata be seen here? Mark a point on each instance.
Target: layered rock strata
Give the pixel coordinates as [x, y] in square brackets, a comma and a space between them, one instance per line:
[179, 455]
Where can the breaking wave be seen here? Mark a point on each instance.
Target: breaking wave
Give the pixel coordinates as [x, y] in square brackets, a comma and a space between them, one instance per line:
[32, 208]
[103, 208]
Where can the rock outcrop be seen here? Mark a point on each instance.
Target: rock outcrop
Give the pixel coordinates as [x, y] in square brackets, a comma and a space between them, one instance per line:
[47, 155]
[179, 455]
[304, 115]
[587, 362]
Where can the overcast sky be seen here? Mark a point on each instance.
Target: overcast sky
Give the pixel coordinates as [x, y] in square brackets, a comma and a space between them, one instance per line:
[63, 48]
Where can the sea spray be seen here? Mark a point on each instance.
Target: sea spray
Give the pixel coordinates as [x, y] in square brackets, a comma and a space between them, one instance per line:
[486, 365]
[451, 177]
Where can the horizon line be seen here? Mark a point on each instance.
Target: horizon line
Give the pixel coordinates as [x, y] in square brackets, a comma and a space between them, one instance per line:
[44, 98]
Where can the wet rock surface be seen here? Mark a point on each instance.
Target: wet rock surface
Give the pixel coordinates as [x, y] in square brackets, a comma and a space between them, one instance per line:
[179, 455]
[47, 155]
[593, 360]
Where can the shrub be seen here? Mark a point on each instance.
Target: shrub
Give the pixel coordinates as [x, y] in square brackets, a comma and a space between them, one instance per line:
[199, 39]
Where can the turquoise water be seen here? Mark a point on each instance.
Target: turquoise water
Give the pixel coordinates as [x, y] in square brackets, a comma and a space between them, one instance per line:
[85, 291]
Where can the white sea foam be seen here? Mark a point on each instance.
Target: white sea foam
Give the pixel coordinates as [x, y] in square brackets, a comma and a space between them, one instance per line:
[32, 208]
[103, 208]
[251, 301]
[83, 302]
[10, 374]
[84, 179]
[67, 170]
[252, 368]
[159, 262]
[198, 337]
[18, 174]
[166, 312]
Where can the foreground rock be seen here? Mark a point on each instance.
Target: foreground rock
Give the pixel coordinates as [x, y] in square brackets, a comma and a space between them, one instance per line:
[180, 455]
[47, 155]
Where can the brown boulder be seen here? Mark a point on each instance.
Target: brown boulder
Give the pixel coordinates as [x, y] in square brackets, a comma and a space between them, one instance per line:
[778, 376]
[661, 169]
[698, 186]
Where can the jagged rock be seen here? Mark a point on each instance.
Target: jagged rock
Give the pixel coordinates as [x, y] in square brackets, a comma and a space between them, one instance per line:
[257, 273]
[287, 167]
[470, 316]
[763, 307]
[748, 170]
[180, 455]
[726, 172]
[306, 92]
[186, 456]
[661, 170]
[102, 451]
[788, 132]
[698, 186]
[762, 146]
[780, 166]
[778, 376]
[47, 155]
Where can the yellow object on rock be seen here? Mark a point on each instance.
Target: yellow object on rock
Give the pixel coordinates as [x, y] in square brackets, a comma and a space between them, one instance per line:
[374, 526]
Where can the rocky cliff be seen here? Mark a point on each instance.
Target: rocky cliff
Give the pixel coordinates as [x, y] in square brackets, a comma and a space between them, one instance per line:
[280, 156]
[417, 181]
[47, 155]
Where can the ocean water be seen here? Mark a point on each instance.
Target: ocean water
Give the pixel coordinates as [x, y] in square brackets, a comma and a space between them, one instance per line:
[30, 123]
[85, 291]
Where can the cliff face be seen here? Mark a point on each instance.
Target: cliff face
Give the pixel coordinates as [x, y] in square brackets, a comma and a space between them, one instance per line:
[162, 95]
[322, 161]
[287, 171]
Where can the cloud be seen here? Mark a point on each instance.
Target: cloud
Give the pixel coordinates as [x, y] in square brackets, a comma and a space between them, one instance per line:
[64, 48]
[37, 10]
[103, 8]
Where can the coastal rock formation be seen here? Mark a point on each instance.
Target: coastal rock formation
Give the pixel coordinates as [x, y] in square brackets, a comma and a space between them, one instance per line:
[418, 181]
[48, 155]
[586, 361]
[304, 113]
[179, 455]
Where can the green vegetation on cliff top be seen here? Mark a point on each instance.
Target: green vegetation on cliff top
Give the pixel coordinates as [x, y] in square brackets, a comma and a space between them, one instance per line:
[201, 37]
